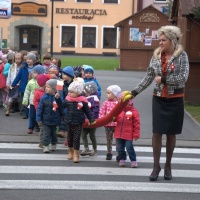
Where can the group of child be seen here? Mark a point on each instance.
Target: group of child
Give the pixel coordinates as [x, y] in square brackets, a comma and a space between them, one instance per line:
[53, 110]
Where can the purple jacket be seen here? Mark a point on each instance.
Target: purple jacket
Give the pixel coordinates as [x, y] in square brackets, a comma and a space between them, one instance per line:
[94, 105]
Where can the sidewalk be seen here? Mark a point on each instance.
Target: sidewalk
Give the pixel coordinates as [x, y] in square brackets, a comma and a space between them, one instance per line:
[13, 128]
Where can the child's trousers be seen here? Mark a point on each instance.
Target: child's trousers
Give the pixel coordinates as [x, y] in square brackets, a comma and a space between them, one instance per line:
[49, 135]
[91, 132]
[74, 135]
[129, 147]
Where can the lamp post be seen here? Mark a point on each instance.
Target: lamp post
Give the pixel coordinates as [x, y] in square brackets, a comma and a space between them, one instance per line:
[52, 8]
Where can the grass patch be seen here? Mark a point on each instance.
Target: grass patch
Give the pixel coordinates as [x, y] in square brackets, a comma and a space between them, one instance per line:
[96, 63]
[194, 111]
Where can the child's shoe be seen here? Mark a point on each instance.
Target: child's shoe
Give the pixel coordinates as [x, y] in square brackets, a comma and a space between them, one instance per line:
[108, 156]
[53, 147]
[134, 164]
[117, 158]
[40, 145]
[122, 163]
[45, 149]
[93, 152]
[85, 152]
[30, 131]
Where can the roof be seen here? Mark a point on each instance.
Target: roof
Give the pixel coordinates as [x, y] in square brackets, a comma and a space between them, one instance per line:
[120, 23]
[186, 7]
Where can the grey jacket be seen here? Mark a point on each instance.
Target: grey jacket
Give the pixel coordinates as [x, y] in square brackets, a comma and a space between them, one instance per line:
[176, 76]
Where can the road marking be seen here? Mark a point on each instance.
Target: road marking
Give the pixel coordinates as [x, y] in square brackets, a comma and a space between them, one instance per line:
[100, 147]
[99, 185]
[92, 171]
[100, 158]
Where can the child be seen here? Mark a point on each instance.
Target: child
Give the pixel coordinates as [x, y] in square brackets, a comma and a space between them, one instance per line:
[68, 76]
[3, 92]
[127, 130]
[113, 93]
[53, 71]
[90, 90]
[77, 106]
[12, 73]
[49, 116]
[57, 62]
[28, 97]
[47, 61]
[39, 92]
[89, 76]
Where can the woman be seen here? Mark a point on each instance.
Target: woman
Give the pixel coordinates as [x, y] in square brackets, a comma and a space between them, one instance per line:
[169, 68]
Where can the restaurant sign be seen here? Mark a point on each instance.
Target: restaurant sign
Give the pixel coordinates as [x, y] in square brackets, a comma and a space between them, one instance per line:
[31, 9]
[87, 14]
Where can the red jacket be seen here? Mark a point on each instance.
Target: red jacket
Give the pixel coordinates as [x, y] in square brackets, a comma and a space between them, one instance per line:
[37, 96]
[128, 124]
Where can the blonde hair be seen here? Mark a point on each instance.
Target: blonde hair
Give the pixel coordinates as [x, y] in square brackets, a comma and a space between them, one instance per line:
[172, 32]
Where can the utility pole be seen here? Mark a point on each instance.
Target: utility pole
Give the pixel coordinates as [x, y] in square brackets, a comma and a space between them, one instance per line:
[52, 13]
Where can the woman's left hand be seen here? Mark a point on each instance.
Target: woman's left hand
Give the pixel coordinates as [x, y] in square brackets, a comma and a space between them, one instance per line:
[158, 79]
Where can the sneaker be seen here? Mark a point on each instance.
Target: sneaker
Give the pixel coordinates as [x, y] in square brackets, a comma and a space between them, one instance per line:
[40, 145]
[30, 131]
[86, 152]
[134, 164]
[122, 163]
[93, 152]
[45, 149]
[53, 147]
[108, 156]
[24, 117]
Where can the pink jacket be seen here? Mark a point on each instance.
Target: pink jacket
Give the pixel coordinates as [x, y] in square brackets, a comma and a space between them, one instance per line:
[128, 124]
[106, 107]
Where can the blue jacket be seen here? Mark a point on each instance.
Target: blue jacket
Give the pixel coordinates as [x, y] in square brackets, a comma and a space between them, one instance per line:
[98, 86]
[22, 76]
[45, 112]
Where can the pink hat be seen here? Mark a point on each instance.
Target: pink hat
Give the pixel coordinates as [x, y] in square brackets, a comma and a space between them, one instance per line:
[42, 79]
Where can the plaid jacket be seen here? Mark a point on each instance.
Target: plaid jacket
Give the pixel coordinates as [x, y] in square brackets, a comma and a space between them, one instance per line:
[177, 73]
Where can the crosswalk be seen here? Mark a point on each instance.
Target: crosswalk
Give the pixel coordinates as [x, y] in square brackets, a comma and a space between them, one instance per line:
[22, 164]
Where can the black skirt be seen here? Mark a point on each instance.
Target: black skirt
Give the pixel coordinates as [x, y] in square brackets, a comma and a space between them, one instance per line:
[168, 114]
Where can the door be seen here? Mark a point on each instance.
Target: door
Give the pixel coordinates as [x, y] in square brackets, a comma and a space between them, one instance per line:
[30, 39]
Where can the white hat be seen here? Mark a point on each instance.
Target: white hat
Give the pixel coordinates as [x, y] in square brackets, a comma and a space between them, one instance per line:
[115, 89]
[76, 87]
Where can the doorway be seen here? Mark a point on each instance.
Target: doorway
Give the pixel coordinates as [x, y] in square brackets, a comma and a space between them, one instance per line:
[30, 39]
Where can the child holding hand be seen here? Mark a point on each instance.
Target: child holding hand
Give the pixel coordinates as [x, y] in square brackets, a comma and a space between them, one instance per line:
[127, 130]
[77, 107]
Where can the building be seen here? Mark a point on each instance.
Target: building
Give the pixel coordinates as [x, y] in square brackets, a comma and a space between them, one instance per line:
[64, 26]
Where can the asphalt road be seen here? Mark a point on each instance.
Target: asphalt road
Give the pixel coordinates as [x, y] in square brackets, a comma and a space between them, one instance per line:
[13, 128]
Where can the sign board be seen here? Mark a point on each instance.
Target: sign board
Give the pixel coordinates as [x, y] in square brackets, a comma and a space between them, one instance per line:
[5, 9]
[29, 9]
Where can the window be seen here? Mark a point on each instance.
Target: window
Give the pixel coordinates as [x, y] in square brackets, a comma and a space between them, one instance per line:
[109, 37]
[89, 37]
[83, 1]
[68, 36]
[111, 1]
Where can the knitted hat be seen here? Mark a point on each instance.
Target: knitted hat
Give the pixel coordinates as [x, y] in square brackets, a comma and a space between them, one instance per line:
[115, 89]
[10, 55]
[39, 69]
[88, 68]
[52, 83]
[68, 71]
[31, 56]
[76, 87]
[42, 79]
[79, 79]
[90, 87]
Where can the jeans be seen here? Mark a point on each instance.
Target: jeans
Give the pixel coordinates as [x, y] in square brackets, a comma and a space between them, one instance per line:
[129, 147]
[49, 135]
[32, 117]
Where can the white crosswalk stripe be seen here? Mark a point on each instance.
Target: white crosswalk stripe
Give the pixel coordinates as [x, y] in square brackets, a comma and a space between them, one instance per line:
[21, 160]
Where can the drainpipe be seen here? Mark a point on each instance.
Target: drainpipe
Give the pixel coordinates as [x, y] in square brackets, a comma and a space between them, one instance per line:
[139, 5]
